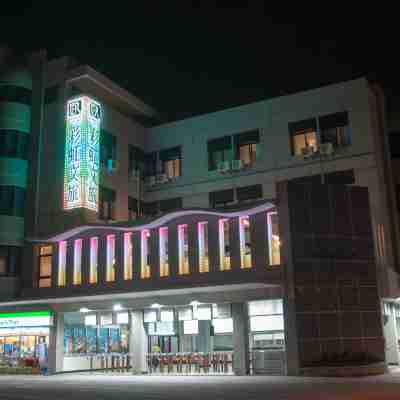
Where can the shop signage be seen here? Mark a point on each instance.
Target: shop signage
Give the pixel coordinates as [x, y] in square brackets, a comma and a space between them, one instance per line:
[82, 154]
[25, 319]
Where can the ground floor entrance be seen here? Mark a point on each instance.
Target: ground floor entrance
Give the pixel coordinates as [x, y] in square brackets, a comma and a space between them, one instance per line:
[197, 338]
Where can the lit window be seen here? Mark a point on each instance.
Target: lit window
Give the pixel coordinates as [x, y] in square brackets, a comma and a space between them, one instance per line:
[274, 243]
[77, 278]
[45, 258]
[110, 270]
[128, 270]
[247, 154]
[203, 247]
[183, 250]
[245, 242]
[94, 249]
[224, 245]
[302, 139]
[164, 266]
[62, 263]
[145, 267]
[172, 168]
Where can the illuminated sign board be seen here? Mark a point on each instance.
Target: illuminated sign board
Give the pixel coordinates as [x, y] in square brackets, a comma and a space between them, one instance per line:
[25, 319]
[82, 154]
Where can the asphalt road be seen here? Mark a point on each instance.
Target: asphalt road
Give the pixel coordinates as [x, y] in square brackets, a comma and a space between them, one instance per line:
[102, 387]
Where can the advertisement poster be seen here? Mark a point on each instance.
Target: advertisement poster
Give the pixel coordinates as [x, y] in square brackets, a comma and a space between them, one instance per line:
[103, 340]
[114, 340]
[91, 339]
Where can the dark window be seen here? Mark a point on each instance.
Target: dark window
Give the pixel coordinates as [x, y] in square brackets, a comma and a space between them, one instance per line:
[171, 204]
[303, 134]
[51, 94]
[246, 146]
[171, 162]
[219, 150]
[394, 144]
[150, 168]
[10, 258]
[133, 208]
[136, 160]
[335, 129]
[12, 201]
[14, 144]
[334, 178]
[246, 193]
[44, 266]
[107, 204]
[108, 147]
[221, 198]
[15, 94]
[152, 208]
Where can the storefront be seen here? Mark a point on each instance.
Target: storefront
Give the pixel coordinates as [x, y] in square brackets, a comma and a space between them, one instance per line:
[24, 338]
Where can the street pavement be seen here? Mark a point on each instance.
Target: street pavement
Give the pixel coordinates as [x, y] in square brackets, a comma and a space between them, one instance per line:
[121, 387]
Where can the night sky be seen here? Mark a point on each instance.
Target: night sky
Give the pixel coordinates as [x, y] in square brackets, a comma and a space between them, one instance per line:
[186, 58]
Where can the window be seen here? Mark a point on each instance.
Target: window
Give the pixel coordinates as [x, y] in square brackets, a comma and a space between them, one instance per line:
[183, 249]
[274, 243]
[164, 265]
[203, 247]
[171, 204]
[219, 150]
[107, 204]
[108, 147]
[246, 147]
[77, 278]
[110, 268]
[152, 208]
[12, 201]
[171, 162]
[94, 256]
[45, 259]
[302, 135]
[224, 245]
[249, 193]
[62, 263]
[133, 208]
[145, 244]
[150, 164]
[245, 242]
[15, 94]
[14, 144]
[136, 160]
[128, 259]
[10, 257]
[335, 129]
[221, 198]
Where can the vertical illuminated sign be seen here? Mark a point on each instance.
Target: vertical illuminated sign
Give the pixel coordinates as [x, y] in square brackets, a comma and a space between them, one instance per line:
[82, 154]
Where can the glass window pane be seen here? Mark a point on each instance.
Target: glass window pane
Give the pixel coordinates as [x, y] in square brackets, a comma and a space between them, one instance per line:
[45, 266]
[46, 250]
[299, 143]
[274, 243]
[45, 283]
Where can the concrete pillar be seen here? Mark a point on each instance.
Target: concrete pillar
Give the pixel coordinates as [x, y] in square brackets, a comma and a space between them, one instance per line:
[56, 345]
[241, 360]
[138, 343]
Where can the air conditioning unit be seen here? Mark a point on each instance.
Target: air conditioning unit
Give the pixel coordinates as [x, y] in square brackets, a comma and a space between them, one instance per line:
[237, 165]
[112, 165]
[223, 167]
[150, 180]
[307, 151]
[326, 149]
[162, 178]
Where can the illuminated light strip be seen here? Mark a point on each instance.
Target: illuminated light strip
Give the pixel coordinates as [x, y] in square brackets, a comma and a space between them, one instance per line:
[82, 154]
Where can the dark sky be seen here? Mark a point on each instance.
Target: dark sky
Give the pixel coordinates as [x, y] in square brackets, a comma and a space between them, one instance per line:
[186, 57]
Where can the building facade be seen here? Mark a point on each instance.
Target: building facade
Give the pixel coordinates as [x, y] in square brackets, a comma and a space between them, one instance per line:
[161, 242]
